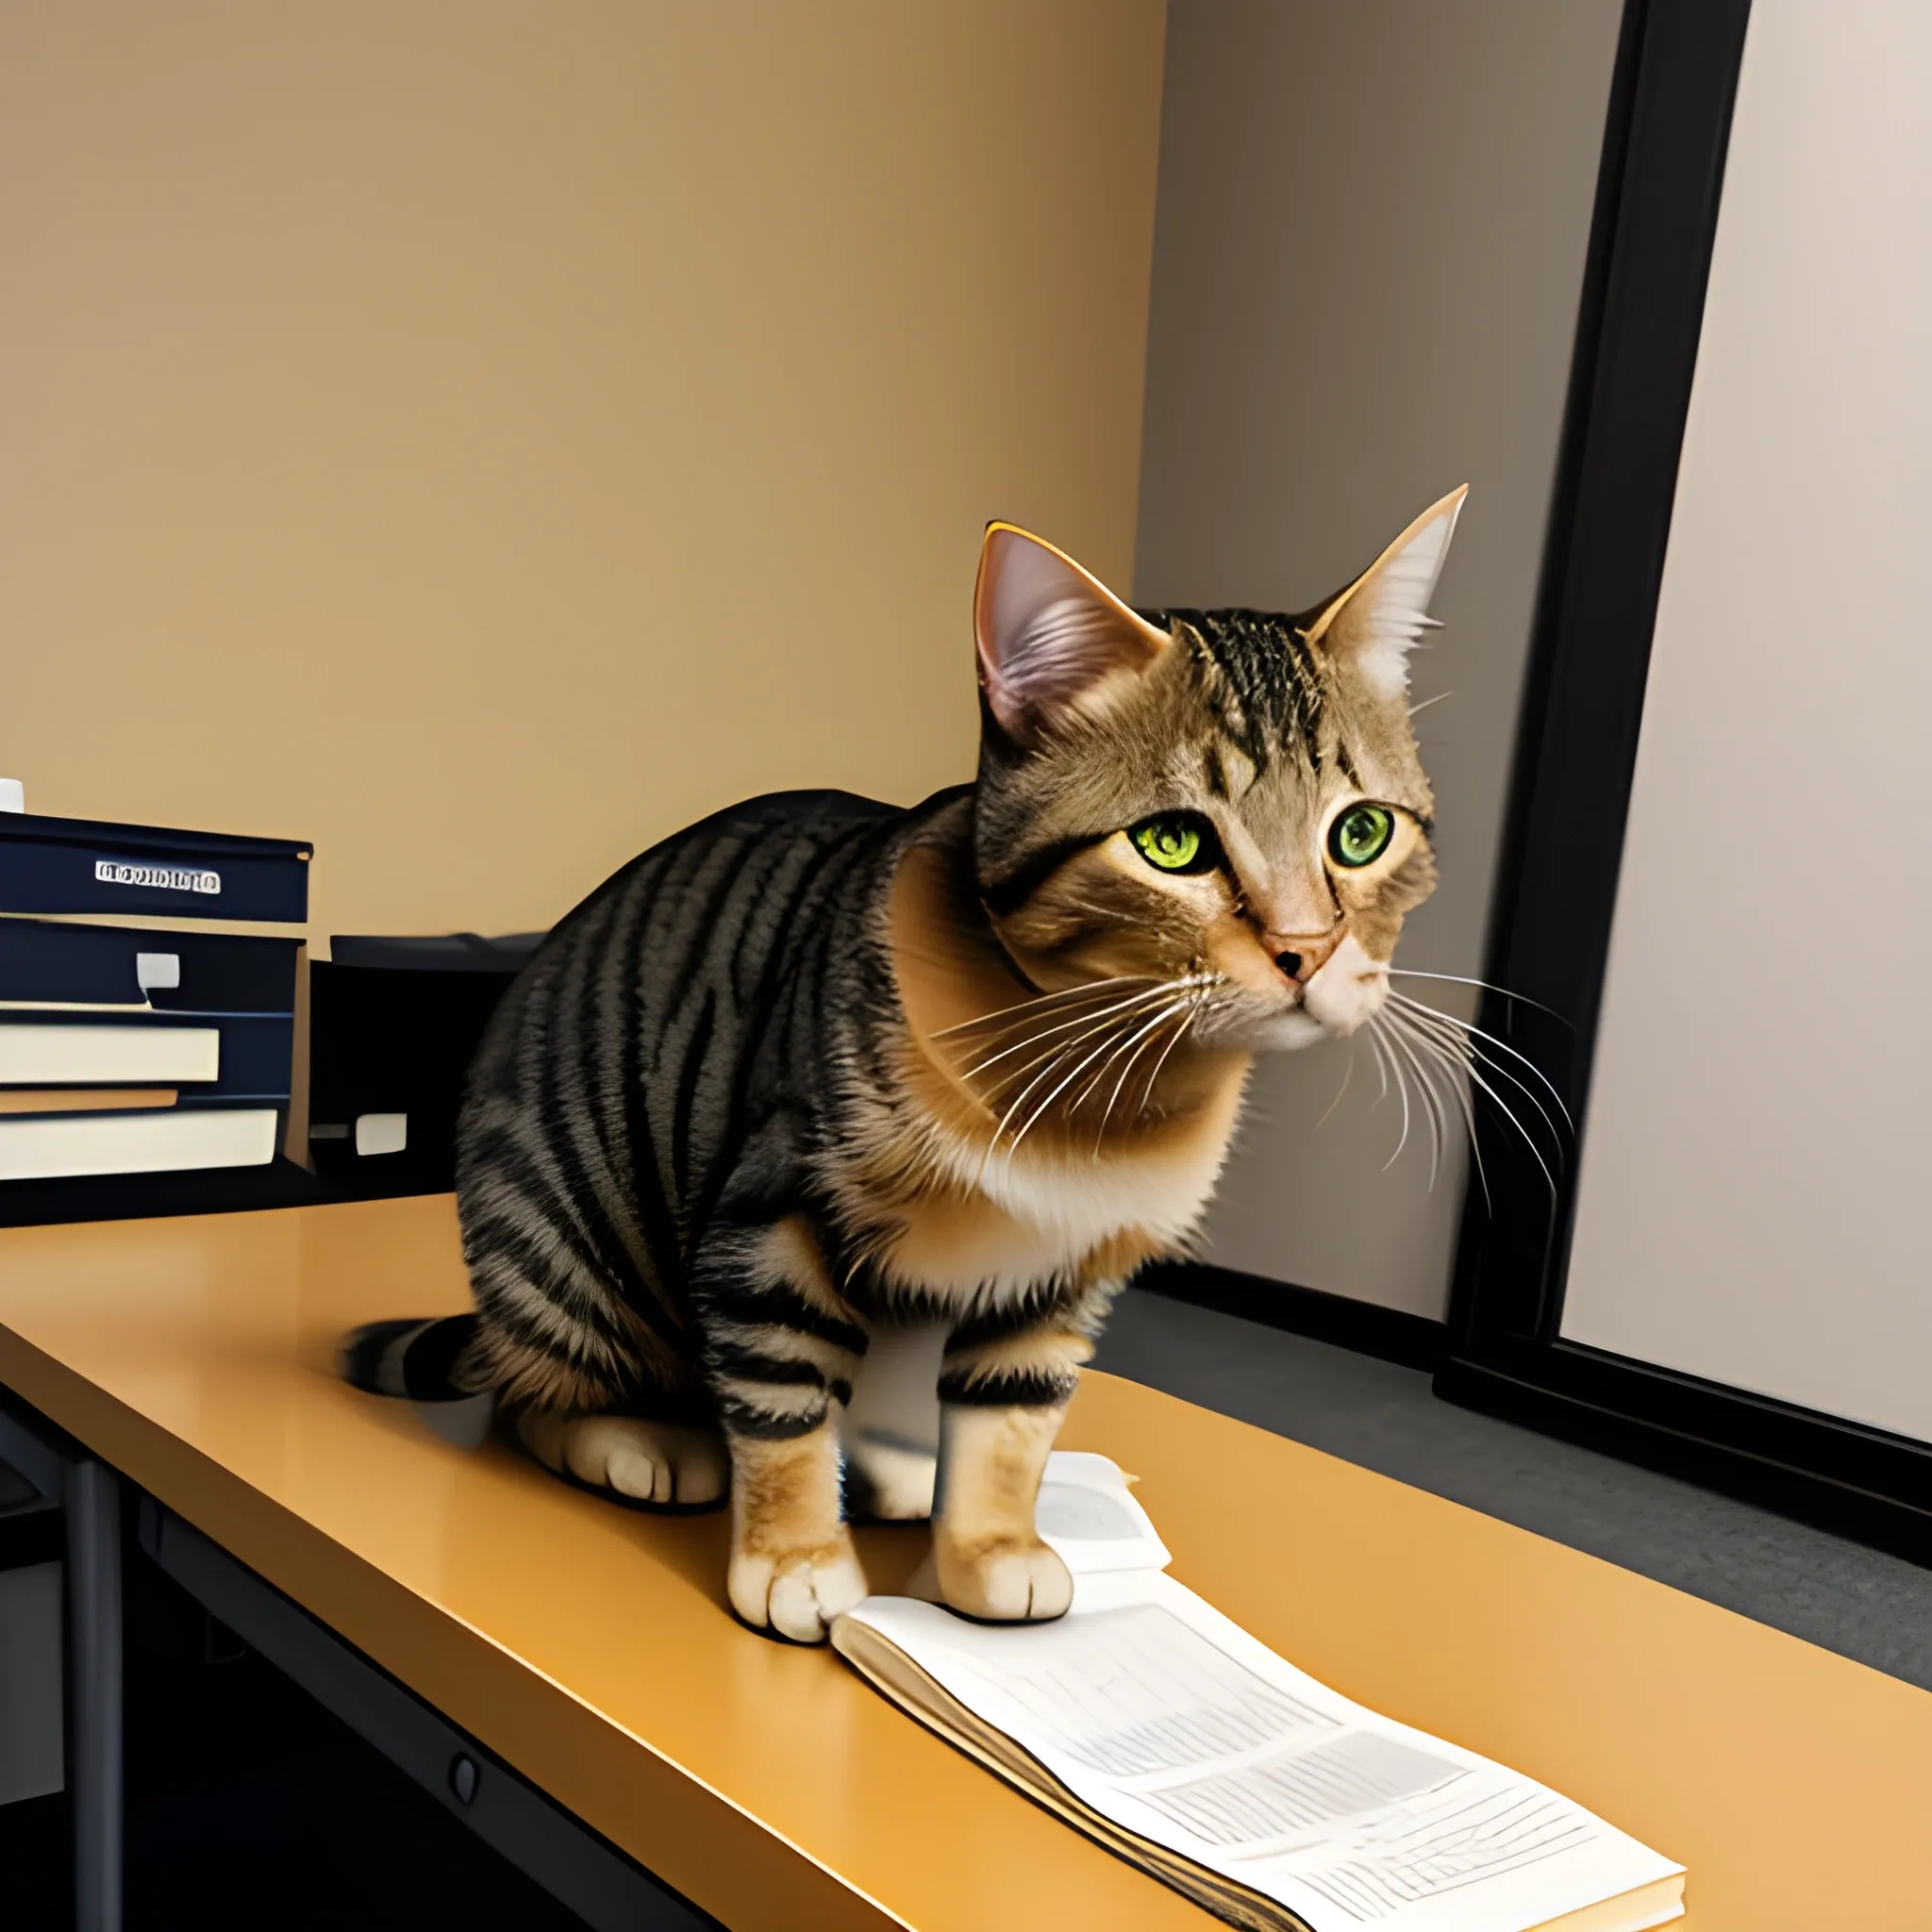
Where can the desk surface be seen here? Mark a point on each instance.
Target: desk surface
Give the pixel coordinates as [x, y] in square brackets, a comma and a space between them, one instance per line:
[587, 1646]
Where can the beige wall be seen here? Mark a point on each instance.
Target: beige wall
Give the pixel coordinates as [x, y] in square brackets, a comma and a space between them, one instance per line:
[1751, 1206]
[482, 436]
[1371, 242]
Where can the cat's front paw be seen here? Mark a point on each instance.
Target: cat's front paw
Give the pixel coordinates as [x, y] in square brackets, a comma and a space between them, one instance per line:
[1004, 1580]
[796, 1594]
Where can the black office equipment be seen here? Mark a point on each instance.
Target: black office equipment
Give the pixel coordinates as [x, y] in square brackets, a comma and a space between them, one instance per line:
[395, 1024]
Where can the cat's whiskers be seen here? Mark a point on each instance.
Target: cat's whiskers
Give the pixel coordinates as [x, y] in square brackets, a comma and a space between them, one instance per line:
[1425, 1090]
[1039, 1113]
[1052, 1061]
[1476, 1032]
[1135, 1040]
[1182, 1010]
[1438, 1055]
[1025, 1034]
[1456, 1037]
[1043, 1067]
[1383, 1062]
[1079, 1020]
[1127, 1027]
[1347, 1075]
[1120, 1017]
[1139, 1043]
[1458, 1056]
[1004, 1019]
[1153, 1081]
[1381, 1070]
[1487, 985]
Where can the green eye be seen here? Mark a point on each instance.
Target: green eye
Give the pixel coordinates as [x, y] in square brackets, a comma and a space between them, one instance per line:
[1176, 842]
[1361, 834]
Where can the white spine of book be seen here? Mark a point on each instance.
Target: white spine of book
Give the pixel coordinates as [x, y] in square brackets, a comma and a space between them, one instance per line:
[162, 1140]
[49, 1056]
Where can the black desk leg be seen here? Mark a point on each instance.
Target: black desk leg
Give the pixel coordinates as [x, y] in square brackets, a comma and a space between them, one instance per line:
[93, 1677]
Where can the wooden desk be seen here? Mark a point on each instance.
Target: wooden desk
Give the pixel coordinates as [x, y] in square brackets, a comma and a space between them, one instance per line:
[587, 1646]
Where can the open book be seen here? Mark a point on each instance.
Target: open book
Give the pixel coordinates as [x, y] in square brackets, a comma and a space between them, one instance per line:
[1148, 1721]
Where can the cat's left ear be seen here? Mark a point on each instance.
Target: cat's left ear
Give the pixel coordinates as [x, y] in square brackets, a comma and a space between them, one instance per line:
[1049, 633]
[1377, 621]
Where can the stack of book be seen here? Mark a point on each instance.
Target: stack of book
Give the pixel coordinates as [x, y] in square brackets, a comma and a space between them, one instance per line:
[142, 1048]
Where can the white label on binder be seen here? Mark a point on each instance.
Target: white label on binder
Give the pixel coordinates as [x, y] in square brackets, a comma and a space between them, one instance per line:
[164, 878]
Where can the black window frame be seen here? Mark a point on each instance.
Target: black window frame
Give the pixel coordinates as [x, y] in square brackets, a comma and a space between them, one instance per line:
[1658, 197]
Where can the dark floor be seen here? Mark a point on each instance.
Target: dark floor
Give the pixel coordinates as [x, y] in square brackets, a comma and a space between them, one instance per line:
[1858, 1602]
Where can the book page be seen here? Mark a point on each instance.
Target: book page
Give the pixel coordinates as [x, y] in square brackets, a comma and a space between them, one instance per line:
[1087, 1511]
[1164, 1715]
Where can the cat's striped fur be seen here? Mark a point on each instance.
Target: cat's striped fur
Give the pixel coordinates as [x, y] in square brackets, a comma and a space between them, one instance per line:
[645, 1109]
[817, 1071]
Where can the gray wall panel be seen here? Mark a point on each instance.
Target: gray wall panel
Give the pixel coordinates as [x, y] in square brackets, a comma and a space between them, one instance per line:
[1369, 242]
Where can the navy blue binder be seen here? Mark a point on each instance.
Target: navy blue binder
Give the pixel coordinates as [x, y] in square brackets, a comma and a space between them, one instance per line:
[98, 965]
[258, 1061]
[242, 986]
[77, 865]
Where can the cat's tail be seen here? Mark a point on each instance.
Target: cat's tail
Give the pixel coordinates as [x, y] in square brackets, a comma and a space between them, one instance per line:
[418, 1359]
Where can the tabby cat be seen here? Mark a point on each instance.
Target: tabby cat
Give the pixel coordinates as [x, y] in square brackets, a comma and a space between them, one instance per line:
[801, 1163]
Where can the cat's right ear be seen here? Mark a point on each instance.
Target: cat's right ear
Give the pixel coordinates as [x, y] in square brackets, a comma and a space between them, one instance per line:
[1049, 633]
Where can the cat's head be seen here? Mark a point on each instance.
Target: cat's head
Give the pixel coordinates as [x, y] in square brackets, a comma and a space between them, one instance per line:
[1228, 796]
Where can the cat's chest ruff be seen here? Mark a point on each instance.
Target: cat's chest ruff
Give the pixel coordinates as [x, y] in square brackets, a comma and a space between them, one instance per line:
[987, 1213]
[993, 1228]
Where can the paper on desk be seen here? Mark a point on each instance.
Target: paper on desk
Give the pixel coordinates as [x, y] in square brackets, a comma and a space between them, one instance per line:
[1162, 1714]
[1087, 1513]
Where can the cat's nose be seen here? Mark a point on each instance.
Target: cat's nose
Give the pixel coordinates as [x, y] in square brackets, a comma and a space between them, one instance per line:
[1301, 955]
